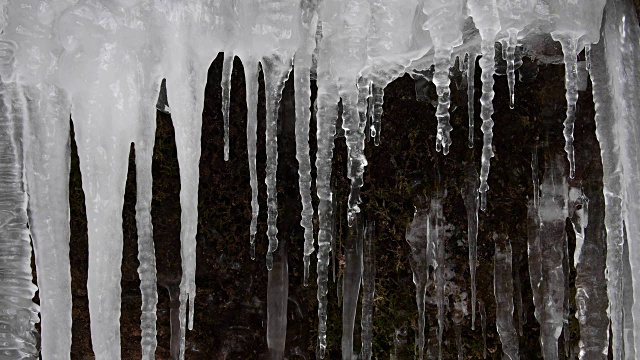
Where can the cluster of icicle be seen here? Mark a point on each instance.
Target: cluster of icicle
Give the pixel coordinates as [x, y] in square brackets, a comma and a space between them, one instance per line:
[102, 61]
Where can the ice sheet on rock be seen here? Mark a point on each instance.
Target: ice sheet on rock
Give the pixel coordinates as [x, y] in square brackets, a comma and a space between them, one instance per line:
[19, 315]
[277, 300]
[351, 280]
[471, 202]
[485, 17]
[503, 291]
[444, 24]
[368, 290]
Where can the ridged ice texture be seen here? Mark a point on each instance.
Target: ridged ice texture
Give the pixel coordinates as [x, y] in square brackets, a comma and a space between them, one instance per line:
[19, 313]
[444, 24]
[503, 291]
[326, 118]
[471, 203]
[302, 86]
[351, 281]
[376, 123]
[368, 290]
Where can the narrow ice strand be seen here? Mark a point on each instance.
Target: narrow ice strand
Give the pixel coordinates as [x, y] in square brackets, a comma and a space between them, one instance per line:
[275, 75]
[607, 134]
[376, 125]
[511, 55]
[483, 322]
[277, 301]
[487, 64]
[302, 89]
[517, 288]
[569, 48]
[47, 132]
[251, 80]
[503, 291]
[471, 89]
[227, 68]
[19, 313]
[326, 118]
[470, 197]
[442, 59]
[438, 221]
[368, 290]
[351, 281]
[534, 177]
[418, 236]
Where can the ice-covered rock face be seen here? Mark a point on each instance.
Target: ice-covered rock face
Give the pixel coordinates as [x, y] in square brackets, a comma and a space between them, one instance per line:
[103, 61]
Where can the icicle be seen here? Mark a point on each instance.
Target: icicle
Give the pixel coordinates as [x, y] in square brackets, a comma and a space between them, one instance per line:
[326, 119]
[376, 124]
[441, 80]
[534, 177]
[587, 55]
[487, 64]
[503, 291]
[510, 57]
[518, 301]
[251, 79]
[146, 250]
[351, 285]
[553, 213]
[608, 138]
[277, 299]
[470, 196]
[227, 68]
[418, 236]
[471, 87]
[275, 75]
[566, 269]
[19, 313]
[438, 220]
[483, 322]
[368, 290]
[47, 132]
[569, 44]
[579, 220]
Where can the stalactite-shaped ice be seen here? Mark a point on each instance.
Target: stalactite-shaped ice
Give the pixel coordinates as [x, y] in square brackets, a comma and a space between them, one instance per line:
[46, 160]
[251, 81]
[437, 219]
[512, 42]
[503, 291]
[471, 203]
[326, 118]
[368, 290]
[444, 24]
[417, 235]
[277, 299]
[552, 213]
[302, 86]
[227, 68]
[485, 16]
[376, 124]
[351, 281]
[19, 314]
[471, 89]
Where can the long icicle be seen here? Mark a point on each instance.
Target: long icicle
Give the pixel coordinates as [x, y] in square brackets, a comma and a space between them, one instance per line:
[470, 197]
[227, 68]
[251, 80]
[368, 289]
[487, 64]
[512, 42]
[441, 80]
[471, 89]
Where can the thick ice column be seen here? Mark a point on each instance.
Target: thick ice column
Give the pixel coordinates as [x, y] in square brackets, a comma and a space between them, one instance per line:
[471, 203]
[351, 281]
[553, 213]
[503, 291]
[277, 300]
[486, 19]
[47, 157]
[444, 24]
[19, 337]
[368, 290]
[326, 128]
[302, 86]
[276, 72]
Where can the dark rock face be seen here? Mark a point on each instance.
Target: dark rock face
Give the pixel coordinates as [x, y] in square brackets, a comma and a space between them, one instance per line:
[231, 297]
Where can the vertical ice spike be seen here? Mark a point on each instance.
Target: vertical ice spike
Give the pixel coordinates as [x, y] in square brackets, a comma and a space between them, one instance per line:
[569, 44]
[376, 124]
[326, 118]
[441, 80]
[368, 290]
[277, 299]
[19, 313]
[503, 291]
[512, 42]
[251, 81]
[470, 197]
[227, 68]
[47, 159]
[302, 89]
[471, 89]
[276, 72]
[351, 281]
